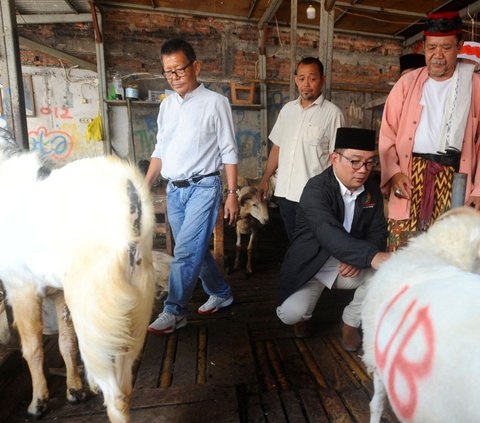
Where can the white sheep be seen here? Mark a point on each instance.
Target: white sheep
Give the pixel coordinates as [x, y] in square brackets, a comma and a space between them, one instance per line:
[420, 322]
[81, 234]
[161, 263]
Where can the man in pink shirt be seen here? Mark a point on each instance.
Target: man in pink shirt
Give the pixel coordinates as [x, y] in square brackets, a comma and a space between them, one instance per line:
[430, 131]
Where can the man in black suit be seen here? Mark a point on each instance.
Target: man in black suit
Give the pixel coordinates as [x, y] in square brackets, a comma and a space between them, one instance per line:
[340, 235]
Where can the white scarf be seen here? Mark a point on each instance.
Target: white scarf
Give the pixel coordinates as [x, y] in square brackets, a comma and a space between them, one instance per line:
[455, 113]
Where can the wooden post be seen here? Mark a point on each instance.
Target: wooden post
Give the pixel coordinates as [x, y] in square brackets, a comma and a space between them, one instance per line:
[218, 251]
[293, 46]
[326, 46]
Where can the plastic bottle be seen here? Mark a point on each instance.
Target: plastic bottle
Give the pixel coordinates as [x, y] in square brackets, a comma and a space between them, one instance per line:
[117, 85]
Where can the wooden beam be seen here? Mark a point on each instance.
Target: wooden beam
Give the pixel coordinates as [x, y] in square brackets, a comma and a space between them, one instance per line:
[71, 6]
[269, 13]
[11, 75]
[252, 8]
[96, 29]
[34, 45]
[293, 45]
[326, 46]
[329, 5]
[365, 8]
[52, 19]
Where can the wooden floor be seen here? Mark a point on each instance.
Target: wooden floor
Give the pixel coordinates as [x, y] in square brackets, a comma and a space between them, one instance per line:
[238, 365]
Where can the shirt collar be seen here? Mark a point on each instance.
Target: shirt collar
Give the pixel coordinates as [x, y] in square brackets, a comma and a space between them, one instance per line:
[318, 102]
[197, 91]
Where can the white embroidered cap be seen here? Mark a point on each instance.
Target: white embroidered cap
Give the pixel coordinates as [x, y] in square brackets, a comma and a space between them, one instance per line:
[471, 51]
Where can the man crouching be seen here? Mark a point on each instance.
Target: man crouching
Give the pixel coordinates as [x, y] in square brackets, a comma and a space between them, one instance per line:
[340, 235]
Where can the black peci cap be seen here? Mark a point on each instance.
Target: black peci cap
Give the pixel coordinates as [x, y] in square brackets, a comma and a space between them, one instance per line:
[355, 138]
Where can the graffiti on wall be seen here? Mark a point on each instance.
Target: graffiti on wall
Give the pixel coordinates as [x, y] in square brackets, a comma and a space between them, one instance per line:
[54, 144]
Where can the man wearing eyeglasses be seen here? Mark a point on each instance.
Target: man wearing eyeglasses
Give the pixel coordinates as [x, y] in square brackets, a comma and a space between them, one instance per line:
[195, 141]
[340, 235]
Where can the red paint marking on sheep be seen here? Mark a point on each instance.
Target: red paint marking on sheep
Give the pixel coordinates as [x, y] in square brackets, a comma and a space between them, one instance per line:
[411, 371]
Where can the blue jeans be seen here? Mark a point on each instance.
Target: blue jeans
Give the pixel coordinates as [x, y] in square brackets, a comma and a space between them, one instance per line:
[192, 213]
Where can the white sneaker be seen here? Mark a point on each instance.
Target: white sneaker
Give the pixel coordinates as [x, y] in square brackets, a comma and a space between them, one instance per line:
[214, 304]
[167, 323]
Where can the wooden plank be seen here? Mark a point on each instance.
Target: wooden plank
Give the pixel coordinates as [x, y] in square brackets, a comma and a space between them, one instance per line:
[229, 355]
[156, 397]
[255, 413]
[186, 358]
[272, 407]
[218, 240]
[341, 378]
[275, 363]
[166, 372]
[151, 361]
[292, 407]
[313, 406]
[296, 372]
[265, 373]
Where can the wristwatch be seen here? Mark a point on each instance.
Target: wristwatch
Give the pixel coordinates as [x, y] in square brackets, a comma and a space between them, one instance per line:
[233, 191]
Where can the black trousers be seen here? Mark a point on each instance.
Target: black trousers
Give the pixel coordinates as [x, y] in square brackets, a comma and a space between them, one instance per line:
[288, 211]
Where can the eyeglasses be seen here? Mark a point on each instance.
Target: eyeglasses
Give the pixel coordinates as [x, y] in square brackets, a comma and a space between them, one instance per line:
[177, 72]
[358, 164]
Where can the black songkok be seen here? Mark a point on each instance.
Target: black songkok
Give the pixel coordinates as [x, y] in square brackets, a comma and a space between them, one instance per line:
[355, 138]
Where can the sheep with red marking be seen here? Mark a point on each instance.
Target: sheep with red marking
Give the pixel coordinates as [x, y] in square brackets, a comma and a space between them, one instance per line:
[420, 324]
[81, 234]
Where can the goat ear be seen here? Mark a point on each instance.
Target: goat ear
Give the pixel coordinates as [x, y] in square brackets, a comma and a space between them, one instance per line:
[245, 197]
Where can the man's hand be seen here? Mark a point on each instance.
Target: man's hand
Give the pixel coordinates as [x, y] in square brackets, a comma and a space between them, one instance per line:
[347, 270]
[231, 209]
[401, 185]
[379, 258]
[262, 189]
[474, 201]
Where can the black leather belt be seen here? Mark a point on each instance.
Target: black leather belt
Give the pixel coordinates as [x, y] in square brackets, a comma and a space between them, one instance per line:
[183, 183]
[448, 159]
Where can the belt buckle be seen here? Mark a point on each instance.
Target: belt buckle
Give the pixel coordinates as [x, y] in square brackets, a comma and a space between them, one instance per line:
[181, 183]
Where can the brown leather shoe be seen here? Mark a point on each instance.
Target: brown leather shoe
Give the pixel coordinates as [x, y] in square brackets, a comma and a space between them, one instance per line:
[351, 338]
[302, 329]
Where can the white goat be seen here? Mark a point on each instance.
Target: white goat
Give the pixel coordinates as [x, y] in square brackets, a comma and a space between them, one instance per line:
[161, 263]
[421, 320]
[83, 234]
[253, 215]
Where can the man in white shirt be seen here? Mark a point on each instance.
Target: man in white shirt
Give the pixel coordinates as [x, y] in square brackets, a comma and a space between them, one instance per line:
[303, 138]
[340, 235]
[195, 140]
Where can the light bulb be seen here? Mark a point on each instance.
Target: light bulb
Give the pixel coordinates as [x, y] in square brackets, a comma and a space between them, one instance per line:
[310, 12]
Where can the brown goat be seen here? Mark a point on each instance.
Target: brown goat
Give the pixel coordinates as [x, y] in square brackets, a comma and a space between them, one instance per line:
[253, 215]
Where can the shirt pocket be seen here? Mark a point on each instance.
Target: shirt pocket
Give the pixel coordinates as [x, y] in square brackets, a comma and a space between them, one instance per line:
[315, 136]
